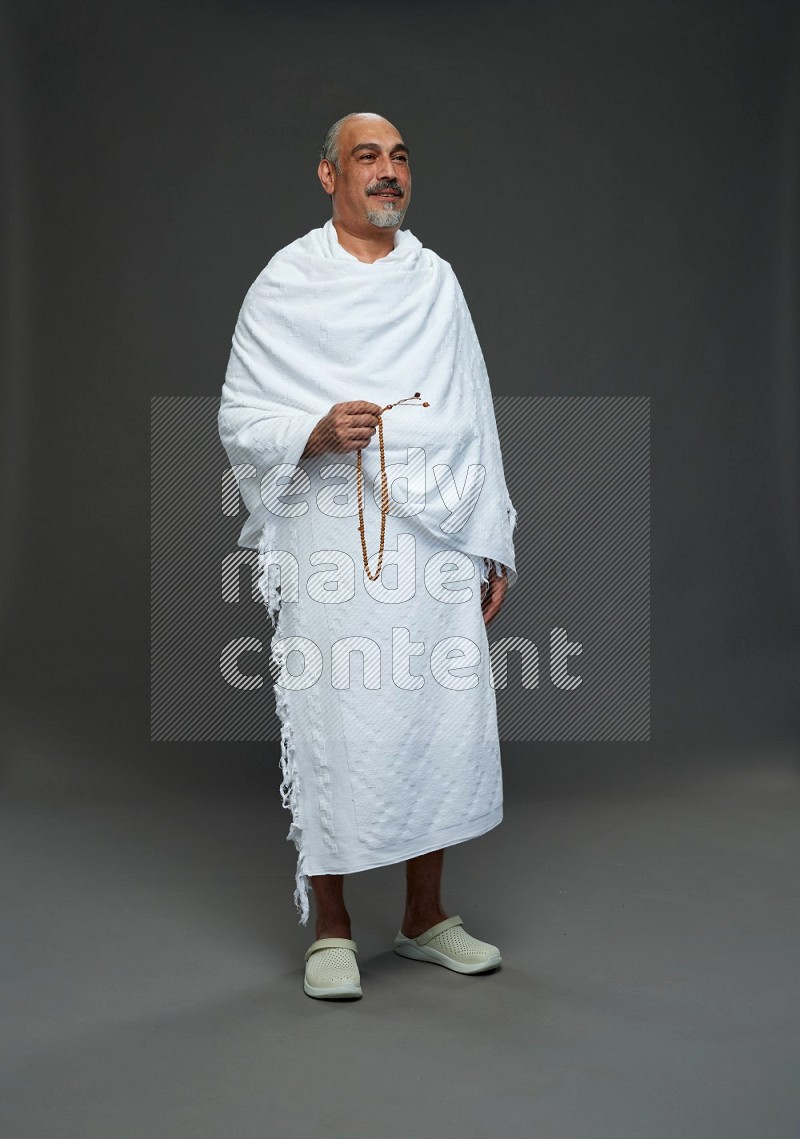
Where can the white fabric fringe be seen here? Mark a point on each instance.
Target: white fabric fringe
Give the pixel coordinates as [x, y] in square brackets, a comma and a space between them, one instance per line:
[289, 789]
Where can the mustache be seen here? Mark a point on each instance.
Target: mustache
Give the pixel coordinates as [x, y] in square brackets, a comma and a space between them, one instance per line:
[387, 184]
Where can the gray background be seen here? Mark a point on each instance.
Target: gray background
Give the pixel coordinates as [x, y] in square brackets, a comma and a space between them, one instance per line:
[616, 186]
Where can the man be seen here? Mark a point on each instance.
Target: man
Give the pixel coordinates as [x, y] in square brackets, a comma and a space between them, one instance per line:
[406, 763]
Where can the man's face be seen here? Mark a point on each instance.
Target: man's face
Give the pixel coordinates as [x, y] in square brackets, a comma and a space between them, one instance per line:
[373, 188]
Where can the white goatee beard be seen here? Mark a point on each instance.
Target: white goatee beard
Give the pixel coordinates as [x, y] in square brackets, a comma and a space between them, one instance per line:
[386, 215]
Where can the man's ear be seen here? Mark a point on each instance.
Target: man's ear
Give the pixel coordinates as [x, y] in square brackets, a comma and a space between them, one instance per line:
[326, 175]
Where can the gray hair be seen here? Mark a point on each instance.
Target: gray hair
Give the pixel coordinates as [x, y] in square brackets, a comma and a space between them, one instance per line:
[330, 147]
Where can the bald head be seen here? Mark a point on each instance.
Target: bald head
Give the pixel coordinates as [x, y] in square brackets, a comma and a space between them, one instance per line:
[333, 143]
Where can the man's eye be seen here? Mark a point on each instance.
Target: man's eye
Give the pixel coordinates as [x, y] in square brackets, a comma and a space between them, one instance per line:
[367, 155]
[401, 158]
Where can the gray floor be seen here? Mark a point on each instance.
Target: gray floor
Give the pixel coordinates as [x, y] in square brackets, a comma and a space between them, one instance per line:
[645, 904]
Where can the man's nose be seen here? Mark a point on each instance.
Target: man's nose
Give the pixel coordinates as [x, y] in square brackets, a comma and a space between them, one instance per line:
[385, 168]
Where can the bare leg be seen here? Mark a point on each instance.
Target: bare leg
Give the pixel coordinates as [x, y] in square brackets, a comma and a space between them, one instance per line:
[333, 919]
[423, 886]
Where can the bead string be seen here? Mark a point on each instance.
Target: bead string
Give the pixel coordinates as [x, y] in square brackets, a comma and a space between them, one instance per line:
[384, 490]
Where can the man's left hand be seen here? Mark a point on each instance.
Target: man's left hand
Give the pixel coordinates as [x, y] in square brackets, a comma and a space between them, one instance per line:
[494, 595]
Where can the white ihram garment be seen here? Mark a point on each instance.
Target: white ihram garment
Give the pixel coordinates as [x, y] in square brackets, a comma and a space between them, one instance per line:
[401, 758]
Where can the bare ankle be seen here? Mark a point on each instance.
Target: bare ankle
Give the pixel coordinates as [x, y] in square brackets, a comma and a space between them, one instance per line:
[416, 922]
[336, 927]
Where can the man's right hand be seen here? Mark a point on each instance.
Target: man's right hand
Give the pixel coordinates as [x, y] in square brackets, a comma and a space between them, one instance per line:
[347, 427]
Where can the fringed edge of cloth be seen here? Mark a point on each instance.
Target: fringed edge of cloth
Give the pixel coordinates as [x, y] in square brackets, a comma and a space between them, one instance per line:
[487, 562]
[289, 779]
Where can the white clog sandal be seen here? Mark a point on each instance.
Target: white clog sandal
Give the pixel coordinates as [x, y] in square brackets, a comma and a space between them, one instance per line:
[332, 970]
[448, 943]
